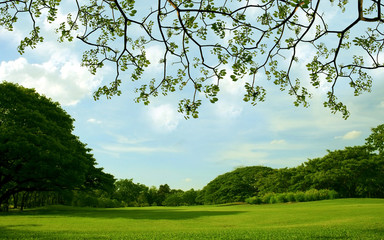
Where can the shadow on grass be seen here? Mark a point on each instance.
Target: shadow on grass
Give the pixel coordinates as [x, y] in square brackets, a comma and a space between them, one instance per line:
[128, 213]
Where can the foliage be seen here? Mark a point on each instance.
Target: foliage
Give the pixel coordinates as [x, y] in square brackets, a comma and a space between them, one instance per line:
[375, 141]
[307, 196]
[352, 172]
[203, 42]
[129, 193]
[38, 151]
[235, 186]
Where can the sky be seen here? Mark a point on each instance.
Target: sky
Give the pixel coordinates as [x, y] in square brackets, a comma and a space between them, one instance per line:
[155, 145]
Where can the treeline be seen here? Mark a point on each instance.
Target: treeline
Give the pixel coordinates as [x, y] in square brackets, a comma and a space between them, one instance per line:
[126, 193]
[352, 172]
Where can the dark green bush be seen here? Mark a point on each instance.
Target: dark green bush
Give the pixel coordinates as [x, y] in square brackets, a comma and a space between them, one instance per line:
[299, 197]
[281, 198]
[254, 200]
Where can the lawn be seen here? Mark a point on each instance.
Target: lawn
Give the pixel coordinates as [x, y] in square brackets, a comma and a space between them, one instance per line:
[330, 219]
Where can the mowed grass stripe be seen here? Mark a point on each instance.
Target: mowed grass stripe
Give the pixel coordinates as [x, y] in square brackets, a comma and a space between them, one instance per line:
[330, 219]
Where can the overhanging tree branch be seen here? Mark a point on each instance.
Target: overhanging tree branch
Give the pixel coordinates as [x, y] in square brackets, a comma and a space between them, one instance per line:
[205, 41]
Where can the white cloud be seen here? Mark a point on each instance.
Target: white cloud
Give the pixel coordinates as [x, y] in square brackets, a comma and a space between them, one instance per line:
[254, 153]
[227, 109]
[164, 118]
[245, 154]
[281, 141]
[60, 78]
[154, 54]
[138, 149]
[229, 87]
[125, 140]
[187, 180]
[92, 120]
[350, 135]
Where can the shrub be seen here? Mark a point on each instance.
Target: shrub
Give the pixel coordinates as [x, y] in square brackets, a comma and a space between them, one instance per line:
[267, 197]
[300, 197]
[312, 195]
[290, 197]
[333, 194]
[254, 200]
[273, 199]
[281, 198]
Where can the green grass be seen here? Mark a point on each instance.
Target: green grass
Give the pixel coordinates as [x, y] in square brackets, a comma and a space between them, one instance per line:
[329, 219]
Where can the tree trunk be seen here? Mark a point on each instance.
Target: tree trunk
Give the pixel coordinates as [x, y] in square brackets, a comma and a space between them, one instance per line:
[23, 198]
[15, 200]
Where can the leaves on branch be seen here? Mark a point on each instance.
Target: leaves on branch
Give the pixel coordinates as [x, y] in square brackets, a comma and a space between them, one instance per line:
[202, 40]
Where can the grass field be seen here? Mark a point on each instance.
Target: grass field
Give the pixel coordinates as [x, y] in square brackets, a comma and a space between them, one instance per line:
[330, 219]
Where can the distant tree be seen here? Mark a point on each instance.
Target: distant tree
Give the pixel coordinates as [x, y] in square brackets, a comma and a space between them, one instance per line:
[202, 41]
[190, 196]
[174, 199]
[38, 151]
[277, 181]
[162, 193]
[235, 186]
[152, 196]
[352, 172]
[132, 194]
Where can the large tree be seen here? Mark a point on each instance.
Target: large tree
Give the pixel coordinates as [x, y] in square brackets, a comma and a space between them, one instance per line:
[202, 41]
[38, 151]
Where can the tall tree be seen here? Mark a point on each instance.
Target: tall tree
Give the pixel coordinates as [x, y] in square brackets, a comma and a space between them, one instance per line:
[375, 141]
[202, 41]
[130, 193]
[352, 172]
[38, 151]
[237, 185]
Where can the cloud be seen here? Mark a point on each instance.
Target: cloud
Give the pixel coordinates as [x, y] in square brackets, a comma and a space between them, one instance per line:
[227, 109]
[164, 118]
[281, 141]
[125, 140]
[154, 54]
[60, 78]
[256, 153]
[92, 120]
[138, 149]
[188, 180]
[244, 154]
[350, 135]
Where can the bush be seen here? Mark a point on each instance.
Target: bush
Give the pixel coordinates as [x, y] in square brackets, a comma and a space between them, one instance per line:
[312, 195]
[333, 194]
[253, 200]
[290, 197]
[281, 198]
[273, 199]
[108, 203]
[267, 197]
[299, 197]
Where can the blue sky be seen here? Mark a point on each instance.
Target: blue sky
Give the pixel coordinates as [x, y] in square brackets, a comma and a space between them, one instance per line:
[155, 145]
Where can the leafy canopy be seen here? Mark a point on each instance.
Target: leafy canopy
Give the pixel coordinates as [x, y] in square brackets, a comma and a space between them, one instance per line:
[202, 42]
[38, 151]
